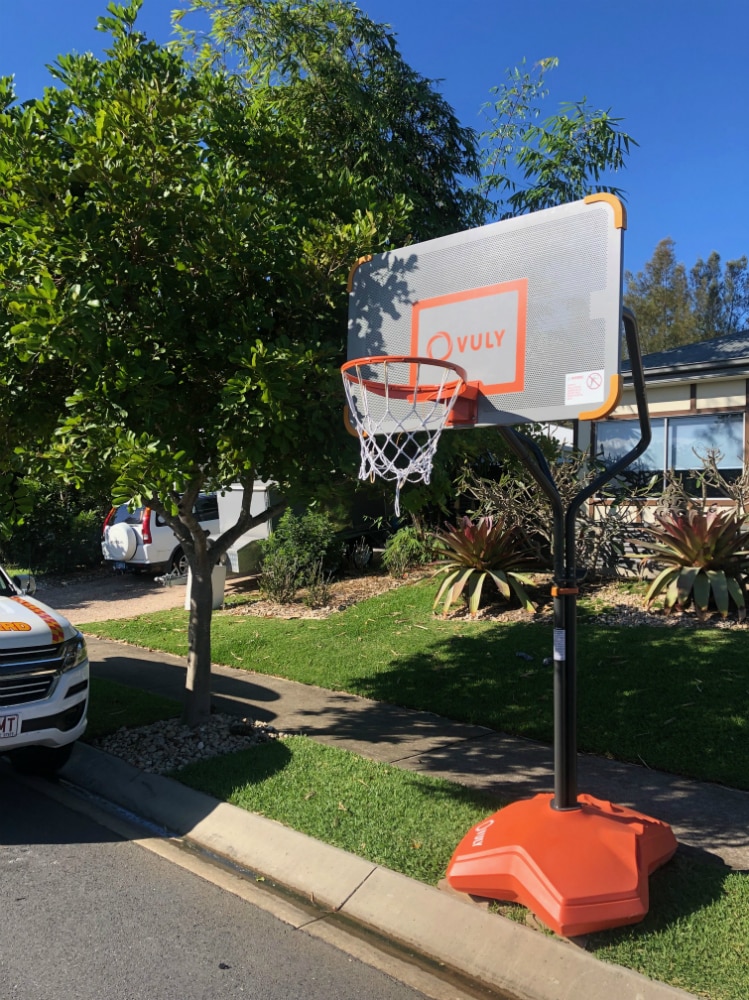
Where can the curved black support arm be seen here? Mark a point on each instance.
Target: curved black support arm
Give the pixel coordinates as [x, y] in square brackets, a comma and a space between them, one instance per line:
[565, 573]
[638, 380]
[528, 451]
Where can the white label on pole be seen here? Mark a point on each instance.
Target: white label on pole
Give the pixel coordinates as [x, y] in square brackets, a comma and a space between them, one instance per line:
[559, 643]
[584, 387]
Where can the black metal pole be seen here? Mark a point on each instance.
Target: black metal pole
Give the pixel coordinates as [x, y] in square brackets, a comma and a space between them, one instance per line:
[564, 589]
[565, 697]
[564, 593]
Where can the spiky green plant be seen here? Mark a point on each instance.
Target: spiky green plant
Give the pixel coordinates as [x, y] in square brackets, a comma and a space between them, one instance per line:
[469, 554]
[705, 556]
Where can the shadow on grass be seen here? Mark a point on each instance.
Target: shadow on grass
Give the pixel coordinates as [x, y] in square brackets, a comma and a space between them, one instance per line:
[165, 676]
[667, 698]
[221, 776]
[689, 883]
[692, 935]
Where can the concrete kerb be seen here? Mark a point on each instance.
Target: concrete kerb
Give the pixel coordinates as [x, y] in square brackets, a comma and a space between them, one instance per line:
[446, 929]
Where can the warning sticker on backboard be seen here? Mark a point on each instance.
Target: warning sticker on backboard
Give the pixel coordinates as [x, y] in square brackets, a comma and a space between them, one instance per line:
[584, 387]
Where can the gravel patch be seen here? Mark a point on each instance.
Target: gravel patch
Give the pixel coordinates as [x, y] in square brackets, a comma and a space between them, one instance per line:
[169, 745]
[341, 594]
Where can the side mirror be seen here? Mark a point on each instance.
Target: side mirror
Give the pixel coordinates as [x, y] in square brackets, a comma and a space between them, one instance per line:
[26, 583]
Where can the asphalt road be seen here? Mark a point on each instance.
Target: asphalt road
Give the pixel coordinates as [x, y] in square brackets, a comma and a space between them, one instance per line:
[86, 914]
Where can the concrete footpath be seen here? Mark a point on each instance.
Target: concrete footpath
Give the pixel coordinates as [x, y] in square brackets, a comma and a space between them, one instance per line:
[443, 927]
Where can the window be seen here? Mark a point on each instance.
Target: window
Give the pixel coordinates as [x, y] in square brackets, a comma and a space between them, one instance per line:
[677, 444]
[206, 507]
[123, 515]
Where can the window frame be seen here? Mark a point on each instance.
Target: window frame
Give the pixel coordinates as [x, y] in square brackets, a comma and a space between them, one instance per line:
[666, 420]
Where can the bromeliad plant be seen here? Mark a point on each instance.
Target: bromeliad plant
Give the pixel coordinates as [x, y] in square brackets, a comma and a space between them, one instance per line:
[706, 556]
[470, 554]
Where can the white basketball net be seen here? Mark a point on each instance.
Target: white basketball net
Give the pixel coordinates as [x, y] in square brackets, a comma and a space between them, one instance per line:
[399, 407]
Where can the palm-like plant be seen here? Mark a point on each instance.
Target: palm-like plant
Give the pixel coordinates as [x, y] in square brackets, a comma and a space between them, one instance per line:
[705, 556]
[470, 554]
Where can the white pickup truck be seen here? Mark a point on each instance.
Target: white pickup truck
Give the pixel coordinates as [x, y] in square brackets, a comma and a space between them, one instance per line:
[44, 680]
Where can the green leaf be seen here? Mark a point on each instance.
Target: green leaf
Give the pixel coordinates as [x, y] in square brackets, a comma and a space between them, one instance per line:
[516, 582]
[475, 584]
[672, 593]
[736, 592]
[459, 585]
[446, 584]
[501, 581]
[663, 580]
[720, 589]
[684, 584]
[702, 591]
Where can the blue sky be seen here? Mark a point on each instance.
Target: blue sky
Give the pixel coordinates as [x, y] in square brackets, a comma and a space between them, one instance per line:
[674, 70]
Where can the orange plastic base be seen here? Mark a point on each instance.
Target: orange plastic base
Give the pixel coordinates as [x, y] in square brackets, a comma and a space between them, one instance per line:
[579, 871]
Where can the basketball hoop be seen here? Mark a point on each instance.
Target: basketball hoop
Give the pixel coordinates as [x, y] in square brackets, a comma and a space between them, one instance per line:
[405, 402]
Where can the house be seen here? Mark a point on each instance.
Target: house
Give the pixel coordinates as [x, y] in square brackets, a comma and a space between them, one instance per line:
[698, 398]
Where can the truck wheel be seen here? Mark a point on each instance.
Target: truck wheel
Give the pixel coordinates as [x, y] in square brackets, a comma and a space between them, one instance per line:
[40, 760]
[179, 562]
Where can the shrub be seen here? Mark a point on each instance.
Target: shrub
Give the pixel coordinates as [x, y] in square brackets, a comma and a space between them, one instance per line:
[601, 533]
[62, 534]
[473, 553]
[297, 553]
[318, 587]
[405, 550]
[706, 558]
[278, 581]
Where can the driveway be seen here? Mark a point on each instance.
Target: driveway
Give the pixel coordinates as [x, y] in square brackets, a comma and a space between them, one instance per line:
[105, 595]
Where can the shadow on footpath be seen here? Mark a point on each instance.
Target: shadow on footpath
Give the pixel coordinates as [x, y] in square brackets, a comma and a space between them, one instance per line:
[168, 680]
[707, 817]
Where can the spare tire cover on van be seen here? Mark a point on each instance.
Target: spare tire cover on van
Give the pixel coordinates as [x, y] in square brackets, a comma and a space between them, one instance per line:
[121, 542]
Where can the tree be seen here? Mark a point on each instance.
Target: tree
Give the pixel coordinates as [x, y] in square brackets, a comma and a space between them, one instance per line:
[736, 295]
[341, 76]
[719, 296]
[529, 166]
[705, 287]
[659, 297]
[174, 249]
[675, 306]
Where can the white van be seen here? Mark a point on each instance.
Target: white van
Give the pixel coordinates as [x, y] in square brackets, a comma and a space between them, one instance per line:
[140, 539]
[44, 680]
[244, 555]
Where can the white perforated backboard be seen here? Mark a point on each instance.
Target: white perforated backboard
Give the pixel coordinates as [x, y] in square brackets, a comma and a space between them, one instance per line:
[529, 307]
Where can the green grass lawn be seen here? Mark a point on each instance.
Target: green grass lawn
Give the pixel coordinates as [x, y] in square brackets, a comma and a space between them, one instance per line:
[695, 935]
[673, 698]
[113, 706]
[408, 822]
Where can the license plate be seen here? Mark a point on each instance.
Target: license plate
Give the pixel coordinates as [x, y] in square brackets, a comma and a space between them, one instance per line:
[119, 565]
[8, 726]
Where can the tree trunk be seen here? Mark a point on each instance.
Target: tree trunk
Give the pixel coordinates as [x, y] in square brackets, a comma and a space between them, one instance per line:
[197, 706]
[202, 557]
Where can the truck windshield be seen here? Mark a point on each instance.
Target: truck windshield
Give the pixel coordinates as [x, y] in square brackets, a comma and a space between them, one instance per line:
[6, 588]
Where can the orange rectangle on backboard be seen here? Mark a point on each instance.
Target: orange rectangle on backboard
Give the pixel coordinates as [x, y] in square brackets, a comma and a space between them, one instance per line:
[481, 329]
